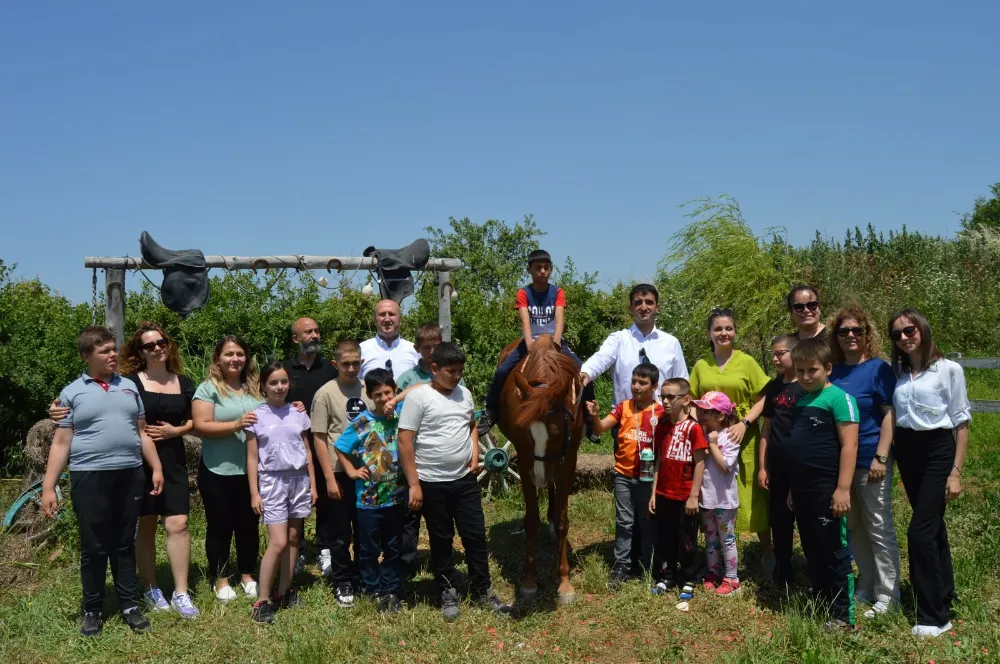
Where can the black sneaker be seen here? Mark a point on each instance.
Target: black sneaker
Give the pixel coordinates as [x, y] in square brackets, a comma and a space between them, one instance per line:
[262, 612]
[91, 623]
[135, 620]
[389, 604]
[486, 422]
[345, 596]
[449, 604]
[289, 599]
[490, 601]
[618, 577]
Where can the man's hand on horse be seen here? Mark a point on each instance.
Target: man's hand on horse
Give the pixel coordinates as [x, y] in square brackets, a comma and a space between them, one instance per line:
[585, 379]
[416, 498]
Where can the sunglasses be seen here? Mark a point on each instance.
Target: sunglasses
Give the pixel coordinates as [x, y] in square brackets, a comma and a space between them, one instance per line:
[799, 307]
[670, 398]
[846, 331]
[388, 365]
[643, 358]
[160, 343]
[909, 331]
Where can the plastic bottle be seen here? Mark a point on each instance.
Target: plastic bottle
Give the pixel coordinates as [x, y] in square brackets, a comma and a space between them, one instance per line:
[647, 465]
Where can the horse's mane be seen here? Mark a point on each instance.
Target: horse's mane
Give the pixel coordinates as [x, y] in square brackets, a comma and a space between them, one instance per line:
[557, 372]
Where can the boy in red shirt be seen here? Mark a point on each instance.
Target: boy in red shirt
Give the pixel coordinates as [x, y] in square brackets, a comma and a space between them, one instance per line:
[680, 465]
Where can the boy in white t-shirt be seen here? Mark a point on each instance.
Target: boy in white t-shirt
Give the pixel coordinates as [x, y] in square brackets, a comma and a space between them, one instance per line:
[438, 452]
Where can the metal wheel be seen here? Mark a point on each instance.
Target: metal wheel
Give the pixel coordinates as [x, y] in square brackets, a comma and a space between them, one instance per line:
[25, 515]
[497, 465]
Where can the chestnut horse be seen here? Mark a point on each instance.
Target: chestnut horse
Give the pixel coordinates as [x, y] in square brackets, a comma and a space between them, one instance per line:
[541, 413]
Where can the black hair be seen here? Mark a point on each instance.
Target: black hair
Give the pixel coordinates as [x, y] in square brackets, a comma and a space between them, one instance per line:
[643, 288]
[647, 371]
[378, 377]
[800, 288]
[447, 354]
[266, 372]
[718, 312]
[789, 340]
[539, 256]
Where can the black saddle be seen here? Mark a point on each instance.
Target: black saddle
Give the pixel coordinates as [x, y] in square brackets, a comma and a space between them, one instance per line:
[185, 286]
[393, 268]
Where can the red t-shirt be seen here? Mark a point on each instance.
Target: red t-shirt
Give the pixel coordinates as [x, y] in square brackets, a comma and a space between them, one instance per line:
[676, 451]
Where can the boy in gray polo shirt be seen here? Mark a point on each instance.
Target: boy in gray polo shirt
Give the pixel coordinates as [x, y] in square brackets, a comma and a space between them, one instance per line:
[103, 438]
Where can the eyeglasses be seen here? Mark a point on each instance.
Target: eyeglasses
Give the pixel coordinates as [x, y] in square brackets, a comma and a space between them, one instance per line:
[778, 354]
[643, 358]
[799, 307]
[909, 332]
[159, 343]
[846, 331]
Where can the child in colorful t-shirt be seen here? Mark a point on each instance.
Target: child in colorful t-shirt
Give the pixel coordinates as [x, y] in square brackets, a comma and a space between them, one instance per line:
[720, 497]
[380, 487]
[680, 465]
[637, 421]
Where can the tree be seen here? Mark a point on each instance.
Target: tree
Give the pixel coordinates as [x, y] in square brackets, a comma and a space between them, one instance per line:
[985, 212]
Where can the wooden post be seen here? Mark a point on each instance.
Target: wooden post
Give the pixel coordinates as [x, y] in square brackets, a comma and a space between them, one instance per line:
[114, 303]
[445, 289]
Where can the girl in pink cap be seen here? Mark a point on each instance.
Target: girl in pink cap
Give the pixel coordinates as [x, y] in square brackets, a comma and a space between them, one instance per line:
[720, 498]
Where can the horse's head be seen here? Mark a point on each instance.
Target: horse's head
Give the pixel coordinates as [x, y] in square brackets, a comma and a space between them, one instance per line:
[551, 393]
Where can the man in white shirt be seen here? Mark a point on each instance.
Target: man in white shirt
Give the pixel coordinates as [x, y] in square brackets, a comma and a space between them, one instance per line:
[642, 343]
[387, 349]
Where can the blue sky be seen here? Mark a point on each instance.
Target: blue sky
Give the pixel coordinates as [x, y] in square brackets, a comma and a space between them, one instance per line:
[303, 127]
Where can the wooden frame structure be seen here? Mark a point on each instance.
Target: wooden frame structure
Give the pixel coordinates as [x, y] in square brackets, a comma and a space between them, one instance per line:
[115, 267]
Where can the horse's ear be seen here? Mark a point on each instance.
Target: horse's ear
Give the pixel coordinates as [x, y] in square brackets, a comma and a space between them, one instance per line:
[575, 395]
[522, 384]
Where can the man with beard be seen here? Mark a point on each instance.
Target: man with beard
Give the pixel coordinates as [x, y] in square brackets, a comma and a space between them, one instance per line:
[308, 371]
[387, 349]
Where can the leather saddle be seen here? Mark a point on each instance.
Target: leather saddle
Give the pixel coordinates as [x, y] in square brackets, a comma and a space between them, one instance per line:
[185, 286]
[393, 268]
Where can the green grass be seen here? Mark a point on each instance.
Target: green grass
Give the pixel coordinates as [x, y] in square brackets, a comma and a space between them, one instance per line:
[39, 621]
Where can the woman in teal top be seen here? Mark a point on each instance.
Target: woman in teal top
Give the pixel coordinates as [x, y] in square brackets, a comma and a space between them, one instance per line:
[740, 378]
[223, 407]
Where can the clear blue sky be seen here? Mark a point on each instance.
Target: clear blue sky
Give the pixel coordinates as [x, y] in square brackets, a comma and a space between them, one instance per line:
[320, 127]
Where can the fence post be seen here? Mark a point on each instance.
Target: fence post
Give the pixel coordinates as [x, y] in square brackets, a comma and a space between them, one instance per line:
[114, 303]
[445, 289]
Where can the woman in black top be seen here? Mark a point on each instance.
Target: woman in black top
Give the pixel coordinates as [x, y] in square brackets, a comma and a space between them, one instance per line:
[150, 359]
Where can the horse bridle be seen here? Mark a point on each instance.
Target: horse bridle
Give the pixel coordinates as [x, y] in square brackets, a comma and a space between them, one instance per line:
[567, 436]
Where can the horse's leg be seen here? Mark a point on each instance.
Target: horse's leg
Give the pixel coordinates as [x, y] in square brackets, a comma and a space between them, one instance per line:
[564, 485]
[553, 511]
[529, 582]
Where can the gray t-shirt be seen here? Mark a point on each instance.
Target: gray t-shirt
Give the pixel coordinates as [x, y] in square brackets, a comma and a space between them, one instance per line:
[443, 426]
[105, 424]
[333, 408]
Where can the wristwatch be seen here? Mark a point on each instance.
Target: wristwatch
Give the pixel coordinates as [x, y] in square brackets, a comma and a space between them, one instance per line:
[882, 458]
[745, 422]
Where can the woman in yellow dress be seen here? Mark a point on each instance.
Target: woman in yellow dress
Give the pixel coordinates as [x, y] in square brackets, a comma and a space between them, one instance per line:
[738, 375]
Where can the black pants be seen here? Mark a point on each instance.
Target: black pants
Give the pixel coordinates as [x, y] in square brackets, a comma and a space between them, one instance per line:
[227, 514]
[925, 460]
[107, 504]
[457, 505]
[676, 542]
[782, 518]
[337, 527]
[380, 533]
[824, 541]
[408, 546]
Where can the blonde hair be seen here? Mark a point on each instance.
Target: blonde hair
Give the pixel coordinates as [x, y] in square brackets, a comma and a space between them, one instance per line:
[248, 376]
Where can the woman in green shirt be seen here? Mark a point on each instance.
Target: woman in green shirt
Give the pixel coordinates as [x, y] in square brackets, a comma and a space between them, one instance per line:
[738, 375]
[223, 407]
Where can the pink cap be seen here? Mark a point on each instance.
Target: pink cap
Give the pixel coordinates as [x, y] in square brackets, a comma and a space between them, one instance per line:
[715, 401]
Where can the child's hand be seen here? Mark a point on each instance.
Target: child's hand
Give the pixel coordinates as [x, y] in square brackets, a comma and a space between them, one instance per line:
[691, 506]
[652, 504]
[257, 504]
[389, 406]
[416, 498]
[790, 503]
[57, 411]
[313, 495]
[360, 473]
[593, 409]
[332, 487]
[299, 406]
[762, 479]
[841, 503]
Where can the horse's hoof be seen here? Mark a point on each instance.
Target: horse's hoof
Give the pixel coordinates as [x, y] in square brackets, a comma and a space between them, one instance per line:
[567, 598]
[529, 595]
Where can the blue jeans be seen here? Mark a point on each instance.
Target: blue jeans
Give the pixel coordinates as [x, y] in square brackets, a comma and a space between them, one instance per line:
[380, 532]
[634, 528]
[508, 364]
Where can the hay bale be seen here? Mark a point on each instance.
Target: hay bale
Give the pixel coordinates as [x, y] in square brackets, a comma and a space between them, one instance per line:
[594, 471]
[192, 453]
[36, 448]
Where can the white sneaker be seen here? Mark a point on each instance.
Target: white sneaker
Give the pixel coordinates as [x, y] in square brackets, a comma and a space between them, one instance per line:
[224, 593]
[929, 631]
[250, 589]
[325, 562]
[877, 608]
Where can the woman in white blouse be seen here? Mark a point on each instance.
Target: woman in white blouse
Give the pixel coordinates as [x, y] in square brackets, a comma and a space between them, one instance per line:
[932, 430]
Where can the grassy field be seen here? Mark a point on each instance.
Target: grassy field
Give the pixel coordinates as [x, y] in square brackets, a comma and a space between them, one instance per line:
[39, 619]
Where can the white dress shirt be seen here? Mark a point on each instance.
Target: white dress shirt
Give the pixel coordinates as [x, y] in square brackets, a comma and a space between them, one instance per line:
[375, 352]
[621, 351]
[935, 399]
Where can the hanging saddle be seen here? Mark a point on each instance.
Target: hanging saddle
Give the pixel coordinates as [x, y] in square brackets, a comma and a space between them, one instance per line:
[185, 286]
[393, 268]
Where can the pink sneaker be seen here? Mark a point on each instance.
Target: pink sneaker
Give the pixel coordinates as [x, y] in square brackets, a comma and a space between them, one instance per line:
[711, 582]
[728, 587]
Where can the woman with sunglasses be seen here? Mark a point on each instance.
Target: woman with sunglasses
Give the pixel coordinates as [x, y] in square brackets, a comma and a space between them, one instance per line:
[803, 306]
[150, 360]
[740, 378]
[859, 371]
[932, 431]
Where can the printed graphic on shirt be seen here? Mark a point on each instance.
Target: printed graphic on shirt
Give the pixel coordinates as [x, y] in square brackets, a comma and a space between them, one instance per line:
[677, 459]
[635, 433]
[541, 307]
[373, 439]
[355, 406]
[812, 456]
